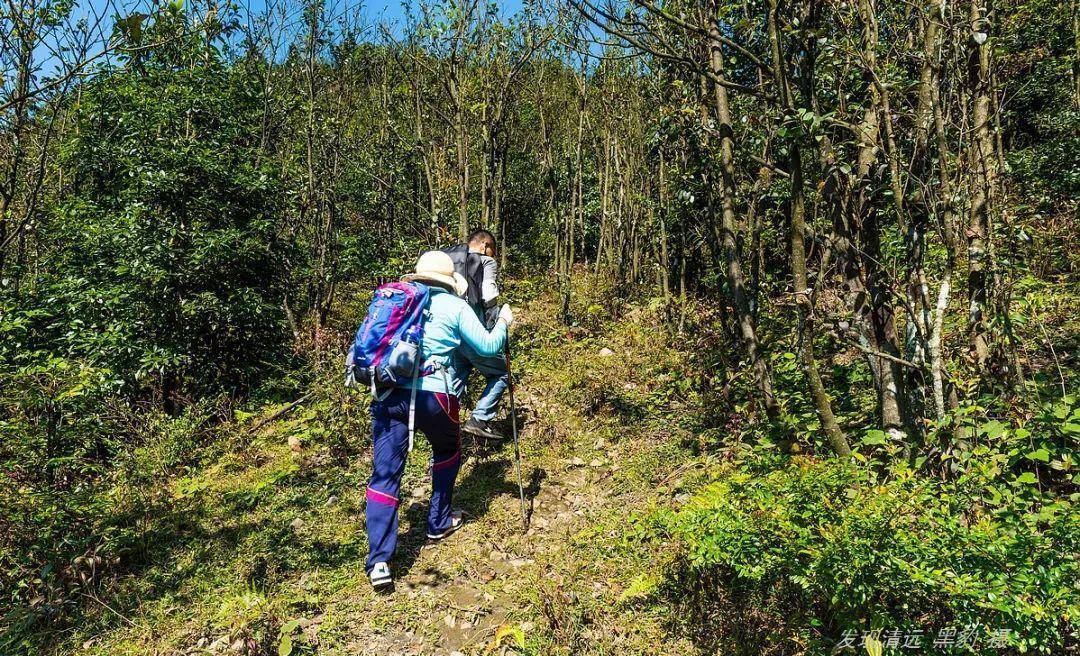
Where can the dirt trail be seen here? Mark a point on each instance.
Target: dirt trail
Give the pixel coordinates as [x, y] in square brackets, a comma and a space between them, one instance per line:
[453, 597]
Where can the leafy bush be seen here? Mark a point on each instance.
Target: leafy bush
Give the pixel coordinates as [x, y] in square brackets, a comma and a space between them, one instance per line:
[53, 432]
[78, 469]
[164, 261]
[899, 552]
[161, 278]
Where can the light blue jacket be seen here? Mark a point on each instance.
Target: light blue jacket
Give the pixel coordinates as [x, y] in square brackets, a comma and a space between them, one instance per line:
[450, 322]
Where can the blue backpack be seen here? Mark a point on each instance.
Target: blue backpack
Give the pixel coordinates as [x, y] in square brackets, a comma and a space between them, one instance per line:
[387, 345]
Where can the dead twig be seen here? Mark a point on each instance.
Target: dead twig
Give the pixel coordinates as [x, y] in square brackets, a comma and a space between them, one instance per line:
[281, 413]
[109, 608]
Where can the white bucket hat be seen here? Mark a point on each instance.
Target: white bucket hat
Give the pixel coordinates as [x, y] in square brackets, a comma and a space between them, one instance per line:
[437, 267]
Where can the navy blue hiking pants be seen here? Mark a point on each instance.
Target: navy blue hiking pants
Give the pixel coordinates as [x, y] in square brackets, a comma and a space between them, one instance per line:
[437, 418]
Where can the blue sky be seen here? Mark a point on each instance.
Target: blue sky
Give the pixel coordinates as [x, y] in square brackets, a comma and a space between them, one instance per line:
[390, 13]
[393, 12]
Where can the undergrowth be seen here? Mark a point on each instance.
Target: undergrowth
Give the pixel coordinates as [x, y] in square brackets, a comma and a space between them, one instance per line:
[240, 528]
[722, 541]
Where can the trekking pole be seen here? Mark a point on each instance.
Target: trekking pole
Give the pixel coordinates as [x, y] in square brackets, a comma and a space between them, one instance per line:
[513, 427]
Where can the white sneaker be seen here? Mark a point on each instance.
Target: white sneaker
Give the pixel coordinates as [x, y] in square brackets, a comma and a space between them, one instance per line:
[380, 576]
[456, 520]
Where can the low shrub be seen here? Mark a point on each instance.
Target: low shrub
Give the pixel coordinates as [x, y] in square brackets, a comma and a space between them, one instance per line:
[80, 468]
[838, 549]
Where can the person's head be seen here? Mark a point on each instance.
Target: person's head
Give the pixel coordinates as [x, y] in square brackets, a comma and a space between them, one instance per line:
[483, 242]
[436, 268]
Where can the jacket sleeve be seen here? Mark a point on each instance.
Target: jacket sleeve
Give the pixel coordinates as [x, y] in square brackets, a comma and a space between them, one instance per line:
[484, 342]
[490, 287]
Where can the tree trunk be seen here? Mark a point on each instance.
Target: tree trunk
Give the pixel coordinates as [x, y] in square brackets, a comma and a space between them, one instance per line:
[462, 162]
[833, 434]
[821, 399]
[947, 214]
[980, 168]
[735, 278]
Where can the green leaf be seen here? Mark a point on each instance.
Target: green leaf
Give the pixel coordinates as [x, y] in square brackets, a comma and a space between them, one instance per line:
[1040, 454]
[873, 646]
[993, 429]
[1027, 477]
[285, 646]
[874, 437]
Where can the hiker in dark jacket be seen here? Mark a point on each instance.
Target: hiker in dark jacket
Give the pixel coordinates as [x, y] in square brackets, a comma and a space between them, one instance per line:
[450, 326]
[475, 261]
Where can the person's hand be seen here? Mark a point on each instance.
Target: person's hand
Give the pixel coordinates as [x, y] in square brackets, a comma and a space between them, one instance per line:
[506, 315]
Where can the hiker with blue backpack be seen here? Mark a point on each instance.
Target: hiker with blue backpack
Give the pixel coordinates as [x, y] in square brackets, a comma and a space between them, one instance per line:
[407, 353]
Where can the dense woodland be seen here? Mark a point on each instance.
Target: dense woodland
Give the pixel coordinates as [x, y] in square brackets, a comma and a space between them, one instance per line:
[859, 218]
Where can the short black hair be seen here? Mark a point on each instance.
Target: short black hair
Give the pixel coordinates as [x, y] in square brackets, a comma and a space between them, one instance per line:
[482, 237]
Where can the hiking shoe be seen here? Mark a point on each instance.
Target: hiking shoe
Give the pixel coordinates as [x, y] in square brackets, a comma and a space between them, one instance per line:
[456, 520]
[482, 428]
[380, 576]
